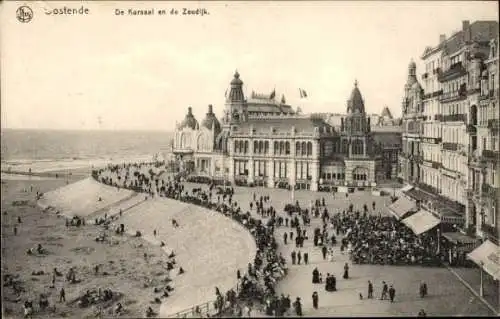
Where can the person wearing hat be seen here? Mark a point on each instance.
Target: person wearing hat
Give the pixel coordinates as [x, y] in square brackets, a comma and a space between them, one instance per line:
[422, 313]
[298, 307]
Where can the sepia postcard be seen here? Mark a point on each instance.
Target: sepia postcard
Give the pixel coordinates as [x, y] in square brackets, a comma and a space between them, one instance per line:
[195, 159]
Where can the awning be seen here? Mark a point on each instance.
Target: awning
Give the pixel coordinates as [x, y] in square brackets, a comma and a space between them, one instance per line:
[421, 221]
[406, 188]
[402, 206]
[487, 256]
[461, 239]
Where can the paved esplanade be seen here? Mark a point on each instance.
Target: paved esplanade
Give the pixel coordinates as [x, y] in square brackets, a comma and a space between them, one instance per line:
[447, 296]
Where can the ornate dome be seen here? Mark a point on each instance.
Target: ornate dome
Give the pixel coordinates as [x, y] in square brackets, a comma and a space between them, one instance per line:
[211, 121]
[236, 80]
[189, 120]
[355, 103]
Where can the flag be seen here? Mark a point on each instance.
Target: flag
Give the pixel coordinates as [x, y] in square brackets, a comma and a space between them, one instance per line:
[303, 93]
[273, 94]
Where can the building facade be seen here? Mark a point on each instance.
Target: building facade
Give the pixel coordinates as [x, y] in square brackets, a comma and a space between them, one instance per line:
[410, 158]
[266, 143]
[454, 151]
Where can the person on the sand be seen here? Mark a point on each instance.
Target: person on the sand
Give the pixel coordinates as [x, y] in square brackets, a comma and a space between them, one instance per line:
[62, 295]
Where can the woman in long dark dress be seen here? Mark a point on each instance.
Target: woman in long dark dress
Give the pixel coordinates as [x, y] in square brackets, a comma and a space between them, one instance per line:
[346, 271]
[315, 276]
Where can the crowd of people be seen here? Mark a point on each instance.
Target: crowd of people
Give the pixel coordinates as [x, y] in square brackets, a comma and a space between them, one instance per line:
[258, 284]
[367, 238]
[383, 240]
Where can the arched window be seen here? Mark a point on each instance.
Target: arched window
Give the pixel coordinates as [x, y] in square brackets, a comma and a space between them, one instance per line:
[266, 147]
[309, 149]
[303, 146]
[360, 174]
[200, 144]
[255, 146]
[183, 140]
[261, 147]
[282, 148]
[276, 148]
[236, 146]
[287, 148]
[297, 148]
[246, 147]
[473, 115]
[357, 147]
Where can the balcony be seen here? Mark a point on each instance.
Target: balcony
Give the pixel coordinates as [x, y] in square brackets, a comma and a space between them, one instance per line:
[474, 91]
[456, 70]
[471, 129]
[494, 124]
[431, 140]
[453, 96]
[491, 231]
[489, 155]
[450, 146]
[454, 118]
[435, 165]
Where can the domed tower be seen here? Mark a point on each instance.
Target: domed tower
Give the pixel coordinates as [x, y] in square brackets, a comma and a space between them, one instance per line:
[211, 122]
[356, 126]
[235, 109]
[356, 120]
[410, 87]
[189, 120]
[355, 104]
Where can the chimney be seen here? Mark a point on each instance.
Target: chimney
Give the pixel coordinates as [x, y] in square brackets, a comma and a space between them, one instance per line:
[466, 30]
[190, 110]
[442, 38]
[210, 110]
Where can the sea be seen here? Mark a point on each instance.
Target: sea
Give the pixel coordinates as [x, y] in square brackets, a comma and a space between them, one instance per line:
[55, 150]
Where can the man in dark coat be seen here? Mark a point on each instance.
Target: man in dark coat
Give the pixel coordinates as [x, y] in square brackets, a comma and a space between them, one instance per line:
[324, 250]
[306, 258]
[315, 299]
[299, 257]
[370, 290]
[384, 290]
[285, 237]
[294, 256]
[392, 293]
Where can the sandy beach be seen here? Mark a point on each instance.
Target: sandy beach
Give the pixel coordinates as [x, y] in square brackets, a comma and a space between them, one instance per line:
[122, 266]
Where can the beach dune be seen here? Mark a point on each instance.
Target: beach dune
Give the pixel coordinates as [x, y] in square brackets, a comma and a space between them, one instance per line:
[82, 198]
[208, 246]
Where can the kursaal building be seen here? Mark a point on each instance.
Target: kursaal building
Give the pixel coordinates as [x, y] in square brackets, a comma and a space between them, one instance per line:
[264, 142]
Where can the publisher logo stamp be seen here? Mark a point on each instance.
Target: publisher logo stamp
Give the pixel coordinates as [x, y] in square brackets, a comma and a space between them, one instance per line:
[24, 14]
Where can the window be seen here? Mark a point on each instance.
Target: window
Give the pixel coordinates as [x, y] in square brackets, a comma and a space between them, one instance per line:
[309, 149]
[287, 148]
[297, 148]
[493, 216]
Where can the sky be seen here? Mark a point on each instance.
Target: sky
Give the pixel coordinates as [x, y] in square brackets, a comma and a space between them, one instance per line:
[123, 72]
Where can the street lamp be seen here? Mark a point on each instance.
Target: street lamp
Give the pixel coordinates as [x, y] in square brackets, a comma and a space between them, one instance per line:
[481, 287]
